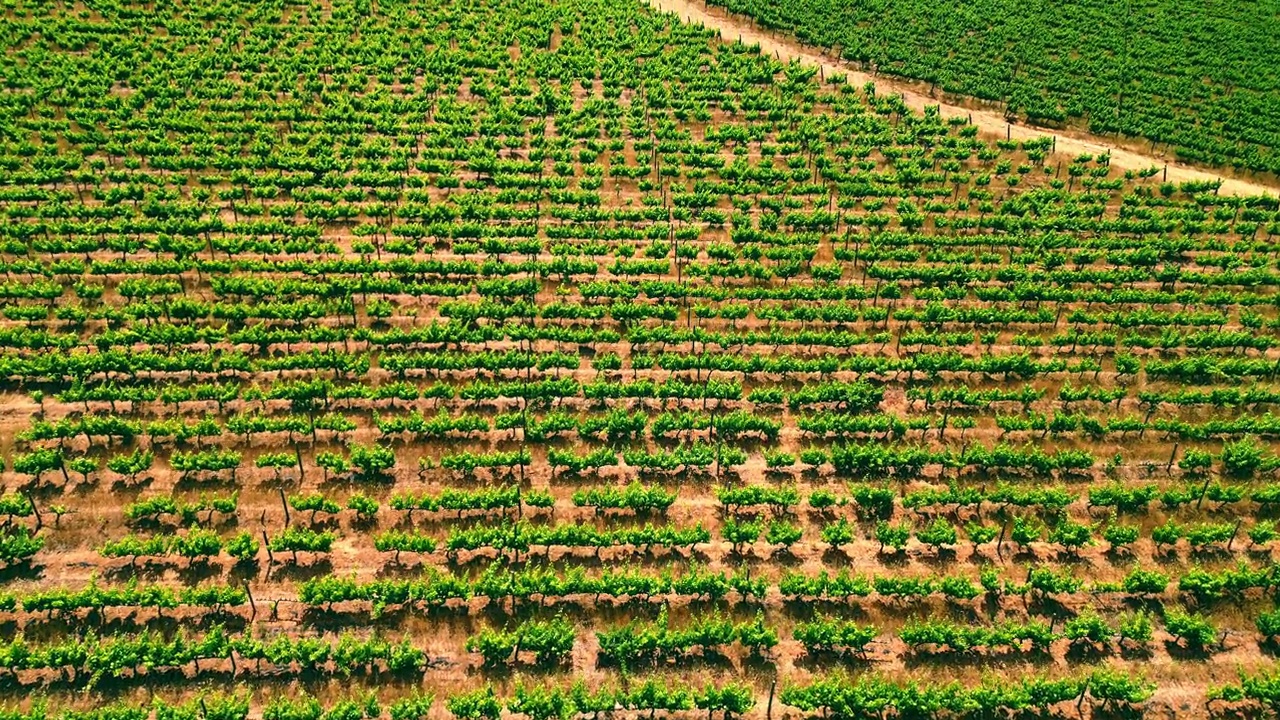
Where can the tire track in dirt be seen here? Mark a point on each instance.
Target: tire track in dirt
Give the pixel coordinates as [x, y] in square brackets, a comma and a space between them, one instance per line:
[990, 122]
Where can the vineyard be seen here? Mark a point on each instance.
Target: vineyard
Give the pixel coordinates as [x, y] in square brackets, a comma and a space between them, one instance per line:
[1196, 80]
[525, 360]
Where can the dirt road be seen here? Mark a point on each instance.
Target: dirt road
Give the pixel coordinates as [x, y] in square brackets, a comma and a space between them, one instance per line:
[990, 122]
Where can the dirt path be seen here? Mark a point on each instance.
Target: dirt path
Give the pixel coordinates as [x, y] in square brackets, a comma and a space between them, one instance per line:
[990, 122]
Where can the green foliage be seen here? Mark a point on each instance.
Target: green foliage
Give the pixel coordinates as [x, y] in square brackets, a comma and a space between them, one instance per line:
[781, 532]
[549, 641]
[325, 238]
[1118, 536]
[944, 636]
[634, 497]
[132, 464]
[1087, 626]
[365, 507]
[275, 461]
[1025, 530]
[1115, 688]
[640, 642]
[314, 503]
[892, 536]
[874, 501]
[1136, 627]
[870, 694]
[756, 636]
[732, 699]
[1195, 462]
[371, 460]
[541, 703]
[1262, 687]
[1196, 631]
[1269, 623]
[298, 539]
[37, 462]
[1145, 582]
[937, 533]
[1068, 77]
[826, 634]
[824, 586]
[1071, 535]
[1241, 458]
[837, 533]
[481, 704]
[822, 499]
[18, 545]
[979, 534]
[778, 499]
[1166, 534]
[738, 533]
[414, 707]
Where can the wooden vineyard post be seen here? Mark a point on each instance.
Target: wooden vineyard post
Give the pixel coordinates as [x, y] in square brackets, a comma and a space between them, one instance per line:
[36, 511]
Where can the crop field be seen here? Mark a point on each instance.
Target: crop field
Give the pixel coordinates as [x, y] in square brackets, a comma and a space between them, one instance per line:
[565, 361]
[1196, 79]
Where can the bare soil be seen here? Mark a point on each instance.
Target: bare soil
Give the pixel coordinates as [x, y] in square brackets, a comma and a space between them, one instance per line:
[1125, 155]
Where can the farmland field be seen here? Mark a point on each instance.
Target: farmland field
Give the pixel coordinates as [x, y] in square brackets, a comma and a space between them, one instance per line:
[551, 360]
[1196, 79]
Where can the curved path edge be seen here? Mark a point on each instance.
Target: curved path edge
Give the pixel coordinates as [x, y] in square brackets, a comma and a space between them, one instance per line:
[989, 122]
